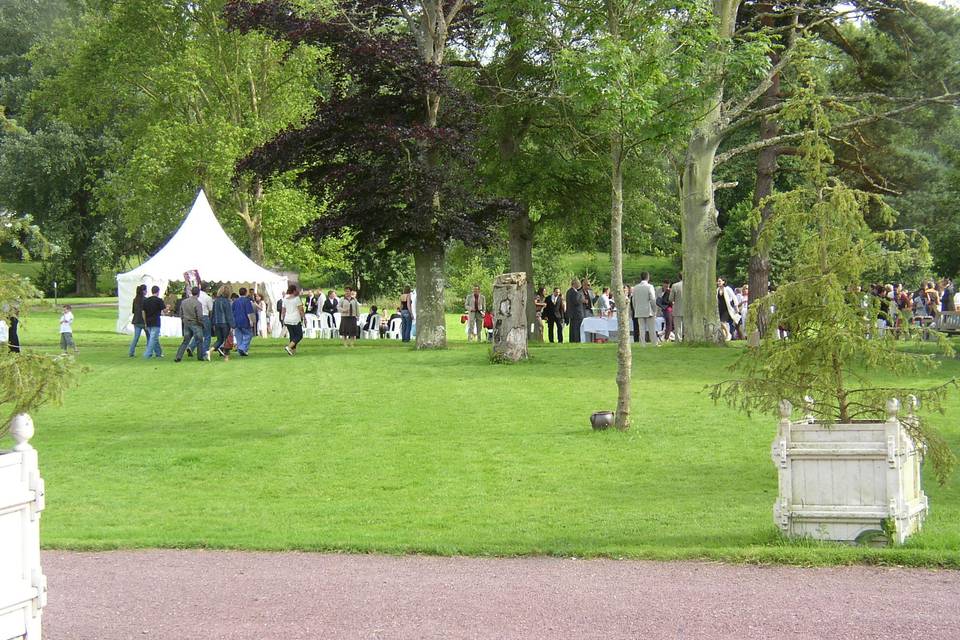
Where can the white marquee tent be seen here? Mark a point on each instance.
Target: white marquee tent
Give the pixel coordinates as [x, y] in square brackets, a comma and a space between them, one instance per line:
[201, 244]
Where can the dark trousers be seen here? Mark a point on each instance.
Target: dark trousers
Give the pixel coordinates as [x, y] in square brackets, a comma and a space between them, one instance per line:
[559, 323]
[636, 330]
[221, 331]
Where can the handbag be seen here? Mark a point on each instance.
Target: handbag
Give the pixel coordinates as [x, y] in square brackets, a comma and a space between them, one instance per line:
[463, 318]
[229, 343]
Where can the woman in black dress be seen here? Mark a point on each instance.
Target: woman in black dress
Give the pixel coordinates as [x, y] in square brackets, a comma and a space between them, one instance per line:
[13, 340]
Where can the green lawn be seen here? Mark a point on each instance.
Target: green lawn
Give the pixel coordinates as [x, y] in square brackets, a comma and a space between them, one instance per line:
[384, 449]
[598, 265]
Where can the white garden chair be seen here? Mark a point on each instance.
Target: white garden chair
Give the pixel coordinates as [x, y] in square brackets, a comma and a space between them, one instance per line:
[328, 325]
[311, 326]
[394, 331]
[373, 333]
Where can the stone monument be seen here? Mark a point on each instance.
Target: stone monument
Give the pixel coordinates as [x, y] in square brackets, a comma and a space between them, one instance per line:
[510, 317]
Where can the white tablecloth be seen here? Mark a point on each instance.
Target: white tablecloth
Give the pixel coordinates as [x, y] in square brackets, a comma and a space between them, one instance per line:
[607, 327]
[4, 331]
[171, 327]
[596, 326]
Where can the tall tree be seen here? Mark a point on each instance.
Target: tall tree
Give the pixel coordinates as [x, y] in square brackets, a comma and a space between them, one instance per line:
[627, 83]
[729, 108]
[189, 98]
[397, 170]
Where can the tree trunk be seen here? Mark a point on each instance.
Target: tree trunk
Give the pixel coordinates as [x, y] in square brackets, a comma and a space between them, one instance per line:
[521, 231]
[766, 172]
[698, 220]
[624, 353]
[86, 280]
[431, 323]
[255, 236]
[509, 317]
[701, 320]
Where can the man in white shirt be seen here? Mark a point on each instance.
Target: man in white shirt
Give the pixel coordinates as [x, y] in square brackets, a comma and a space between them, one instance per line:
[645, 309]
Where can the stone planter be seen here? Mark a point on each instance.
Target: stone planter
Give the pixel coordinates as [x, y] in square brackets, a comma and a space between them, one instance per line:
[23, 587]
[848, 482]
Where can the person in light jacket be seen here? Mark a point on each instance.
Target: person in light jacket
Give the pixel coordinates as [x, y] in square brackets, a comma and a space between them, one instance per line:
[676, 297]
[645, 309]
[728, 309]
[474, 304]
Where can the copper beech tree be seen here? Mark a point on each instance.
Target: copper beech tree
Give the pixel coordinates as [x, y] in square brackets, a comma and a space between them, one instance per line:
[396, 169]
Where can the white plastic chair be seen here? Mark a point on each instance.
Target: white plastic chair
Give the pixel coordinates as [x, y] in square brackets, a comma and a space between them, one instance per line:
[327, 325]
[373, 333]
[336, 319]
[394, 331]
[311, 325]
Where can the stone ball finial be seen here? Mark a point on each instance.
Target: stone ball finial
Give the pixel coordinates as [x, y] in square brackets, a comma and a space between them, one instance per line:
[786, 409]
[21, 429]
[913, 404]
[893, 408]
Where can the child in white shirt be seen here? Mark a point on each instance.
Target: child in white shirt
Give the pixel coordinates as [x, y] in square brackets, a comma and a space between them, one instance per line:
[66, 330]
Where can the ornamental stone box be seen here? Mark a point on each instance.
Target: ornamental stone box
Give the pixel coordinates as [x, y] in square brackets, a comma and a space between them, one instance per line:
[848, 482]
[23, 587]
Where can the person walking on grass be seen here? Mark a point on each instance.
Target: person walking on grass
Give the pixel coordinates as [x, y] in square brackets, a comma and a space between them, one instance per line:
[152, 309]
[244, 317]
[291, 315]
[349, 317]
[66, 330]
[139, 324]
[191, 318]
[222, 319]
[202, 343]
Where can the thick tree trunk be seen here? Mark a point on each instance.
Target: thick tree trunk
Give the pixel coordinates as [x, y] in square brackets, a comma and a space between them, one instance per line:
[698, 219]
[521, 232]
[766, 172]
[86, 280]
[624, 353]
[509, 317]
[701, 320]
[431, 323]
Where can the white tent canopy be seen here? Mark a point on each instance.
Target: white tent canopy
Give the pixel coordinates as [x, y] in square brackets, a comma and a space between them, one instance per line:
[201, 244]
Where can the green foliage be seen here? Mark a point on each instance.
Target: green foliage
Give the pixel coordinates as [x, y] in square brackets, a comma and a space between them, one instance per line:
[28, 379]
[834, 343]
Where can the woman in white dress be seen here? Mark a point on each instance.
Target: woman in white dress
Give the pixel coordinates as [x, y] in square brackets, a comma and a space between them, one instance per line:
[260, 306]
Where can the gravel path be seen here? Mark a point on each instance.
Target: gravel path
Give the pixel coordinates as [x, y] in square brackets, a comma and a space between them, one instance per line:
[236, 596]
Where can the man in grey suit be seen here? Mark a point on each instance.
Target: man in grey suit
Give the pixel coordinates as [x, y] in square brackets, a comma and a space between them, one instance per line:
[645, 309]
[676, 298]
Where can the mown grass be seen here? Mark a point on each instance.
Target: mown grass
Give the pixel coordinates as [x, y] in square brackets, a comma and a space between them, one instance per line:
[598, 265]
[385, 449]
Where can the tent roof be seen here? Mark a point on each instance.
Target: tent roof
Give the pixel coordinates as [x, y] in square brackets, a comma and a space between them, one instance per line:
[201, 243]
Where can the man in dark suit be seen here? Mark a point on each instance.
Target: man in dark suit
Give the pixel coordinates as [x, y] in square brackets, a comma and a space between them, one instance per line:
[574, 304]
[553, 313]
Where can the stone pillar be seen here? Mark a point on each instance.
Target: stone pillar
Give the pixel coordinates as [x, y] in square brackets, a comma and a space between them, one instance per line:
[510, 317]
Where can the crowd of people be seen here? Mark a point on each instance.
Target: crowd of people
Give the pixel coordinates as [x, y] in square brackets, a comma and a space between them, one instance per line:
[233, 319]
[900, 306]
[646, 303]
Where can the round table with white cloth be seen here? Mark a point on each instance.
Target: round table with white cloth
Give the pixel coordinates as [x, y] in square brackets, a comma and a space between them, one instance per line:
[607, 328]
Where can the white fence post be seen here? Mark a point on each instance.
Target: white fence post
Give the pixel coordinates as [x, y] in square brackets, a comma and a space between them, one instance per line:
[23, 587]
